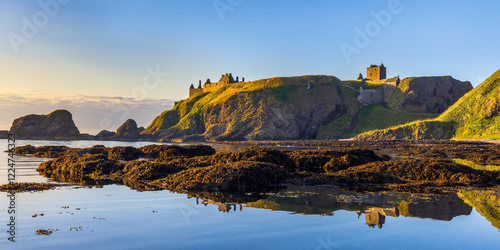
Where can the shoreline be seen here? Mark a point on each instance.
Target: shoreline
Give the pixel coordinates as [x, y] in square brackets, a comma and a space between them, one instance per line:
[414, 167]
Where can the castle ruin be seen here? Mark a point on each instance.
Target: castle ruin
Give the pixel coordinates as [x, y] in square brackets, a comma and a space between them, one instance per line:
[375, 72]
[209, 86]
[376, 75]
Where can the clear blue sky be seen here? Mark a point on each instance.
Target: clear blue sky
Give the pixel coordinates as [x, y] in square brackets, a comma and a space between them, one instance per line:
[105, 48]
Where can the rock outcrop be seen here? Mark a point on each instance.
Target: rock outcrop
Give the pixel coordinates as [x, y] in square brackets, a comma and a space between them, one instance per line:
[295, 108]
[128, 131]
[58, 125]
[429, 94]
[276, 108]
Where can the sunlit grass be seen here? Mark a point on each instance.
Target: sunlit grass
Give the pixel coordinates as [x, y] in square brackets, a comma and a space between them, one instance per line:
[476, 166]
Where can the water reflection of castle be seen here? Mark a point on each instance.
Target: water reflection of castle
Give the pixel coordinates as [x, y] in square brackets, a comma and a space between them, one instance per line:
[375, 206]
[223, 206]
[375, 216]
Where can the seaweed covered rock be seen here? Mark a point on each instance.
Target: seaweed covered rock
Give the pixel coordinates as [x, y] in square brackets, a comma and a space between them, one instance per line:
[125, 153]
[25, 150]
[362, 177]
[42, 151]
[441, 172]
[183, 162]
[146, 170]
[333, 160]
[312, 160]
[76, 166]
[256, 154]
[155, 151]
[50, 151]
[96, 149]
[352, 158]
[237, 177]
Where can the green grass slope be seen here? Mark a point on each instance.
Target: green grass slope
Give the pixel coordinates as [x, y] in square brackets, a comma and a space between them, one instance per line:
[252, 103]
[475, 115]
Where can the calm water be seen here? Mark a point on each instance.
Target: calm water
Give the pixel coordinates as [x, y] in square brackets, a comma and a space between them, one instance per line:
[115, 217]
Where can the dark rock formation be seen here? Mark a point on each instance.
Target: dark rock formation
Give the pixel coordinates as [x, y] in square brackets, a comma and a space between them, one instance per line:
[128, 131]
[4, 134]
[237, 177]
[432, 94]
[125, 153]
[57, 125]
[276, 108]
[73, 166]
[257, 169]
[164, 151]
[105, 135]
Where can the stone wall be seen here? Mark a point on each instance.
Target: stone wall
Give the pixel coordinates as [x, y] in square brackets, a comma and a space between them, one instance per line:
[388, 90]
[194, 91]
[371, 96]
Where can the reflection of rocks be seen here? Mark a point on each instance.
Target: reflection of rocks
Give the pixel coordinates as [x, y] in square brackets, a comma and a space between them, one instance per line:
[375, 206]
[444, 207]
[486, 202]
[224, 207]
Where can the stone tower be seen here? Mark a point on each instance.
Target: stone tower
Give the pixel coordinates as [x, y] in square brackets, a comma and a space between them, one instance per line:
[375, 72]
[193, 91]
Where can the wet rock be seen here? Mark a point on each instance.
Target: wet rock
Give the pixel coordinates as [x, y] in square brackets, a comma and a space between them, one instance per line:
[255, 154]
[183, 162]
[146, 170]
[96, 149]
[43, 151]
[235, 177]
[27, 187]
[155, 151]
[333, 160]
[441, 172]
[75, 166]
[50, 151]
[25, 150]
[125, 153]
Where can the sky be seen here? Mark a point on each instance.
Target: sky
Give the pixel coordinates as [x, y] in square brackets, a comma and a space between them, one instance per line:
[106, 61]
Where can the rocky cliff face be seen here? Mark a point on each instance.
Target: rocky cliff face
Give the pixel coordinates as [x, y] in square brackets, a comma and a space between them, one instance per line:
[58, 125]
[277, 108]
[295, 108]
[429, 94]
[128, 131]
[475, 115]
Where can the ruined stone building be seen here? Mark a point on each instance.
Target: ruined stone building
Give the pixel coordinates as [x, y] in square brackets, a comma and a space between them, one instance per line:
[375, 72]
[209, 86]
[377, 75]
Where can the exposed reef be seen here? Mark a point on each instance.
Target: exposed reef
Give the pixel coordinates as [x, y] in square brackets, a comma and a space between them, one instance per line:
[198, 168]
[27, 187]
